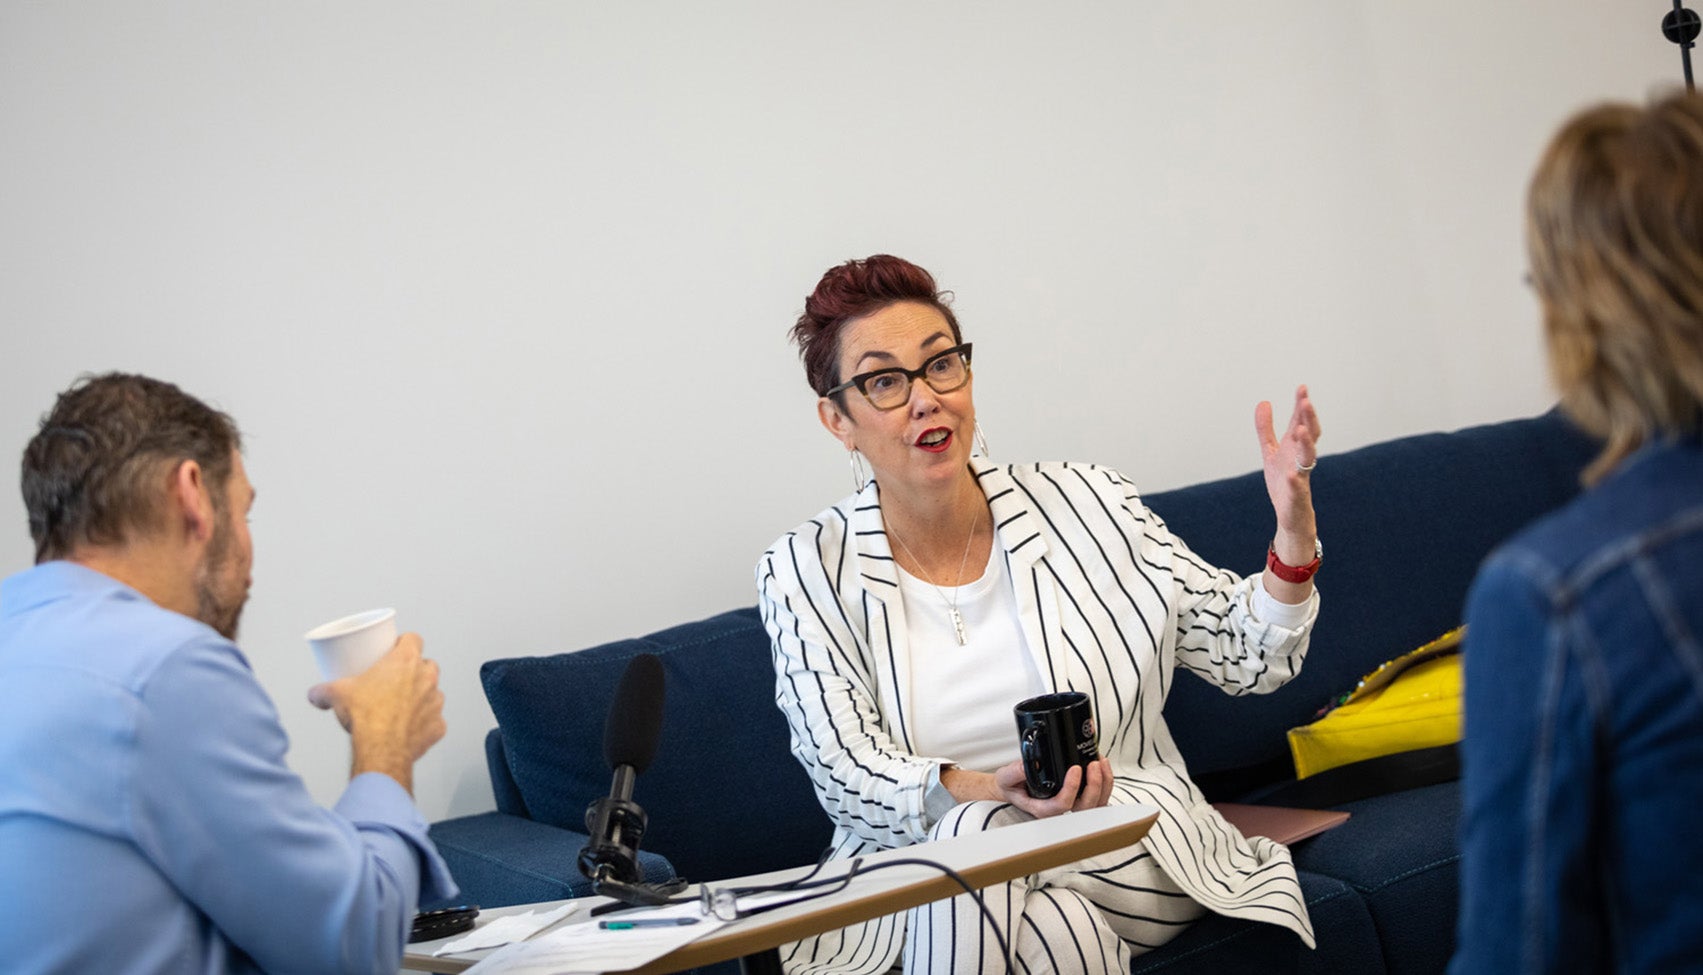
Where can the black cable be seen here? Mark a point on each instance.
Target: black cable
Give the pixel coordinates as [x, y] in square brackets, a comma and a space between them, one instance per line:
[974, 894]
[798, 883]
[713, 898]
[837, 884]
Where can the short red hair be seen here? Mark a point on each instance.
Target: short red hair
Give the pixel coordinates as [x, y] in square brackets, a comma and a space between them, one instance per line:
[850, 291]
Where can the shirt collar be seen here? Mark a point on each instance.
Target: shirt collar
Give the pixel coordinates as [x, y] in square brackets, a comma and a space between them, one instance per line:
[51, 581]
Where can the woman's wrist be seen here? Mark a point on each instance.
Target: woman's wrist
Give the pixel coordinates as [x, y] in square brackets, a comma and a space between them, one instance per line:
[967, 786]
[1296, 546]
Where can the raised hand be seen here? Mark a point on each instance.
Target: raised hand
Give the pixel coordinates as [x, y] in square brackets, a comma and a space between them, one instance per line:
[1288, 463]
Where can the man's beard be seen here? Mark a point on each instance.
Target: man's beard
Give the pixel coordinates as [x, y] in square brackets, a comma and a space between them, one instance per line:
[211, 608]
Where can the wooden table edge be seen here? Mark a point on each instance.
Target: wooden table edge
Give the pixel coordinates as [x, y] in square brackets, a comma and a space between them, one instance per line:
[736, 940]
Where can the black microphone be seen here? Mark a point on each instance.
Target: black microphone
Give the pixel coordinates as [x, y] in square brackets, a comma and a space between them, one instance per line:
[616, 825]
[635, 716]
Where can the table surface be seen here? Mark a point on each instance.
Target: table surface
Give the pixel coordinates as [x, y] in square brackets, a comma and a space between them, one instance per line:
[982, 859]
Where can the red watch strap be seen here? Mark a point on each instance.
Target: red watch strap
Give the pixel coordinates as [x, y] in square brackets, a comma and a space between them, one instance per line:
[1289, 573]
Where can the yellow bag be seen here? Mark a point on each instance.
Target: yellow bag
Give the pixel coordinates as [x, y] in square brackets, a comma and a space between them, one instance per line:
[1413, 701]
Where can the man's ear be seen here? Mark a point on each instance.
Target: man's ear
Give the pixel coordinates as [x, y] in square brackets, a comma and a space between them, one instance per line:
[190, 500]
[835, 420]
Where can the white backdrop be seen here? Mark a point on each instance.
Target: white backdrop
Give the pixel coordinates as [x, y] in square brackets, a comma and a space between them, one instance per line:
[499, 291]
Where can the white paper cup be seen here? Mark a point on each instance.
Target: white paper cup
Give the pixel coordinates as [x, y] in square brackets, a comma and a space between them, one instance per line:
[350, 645]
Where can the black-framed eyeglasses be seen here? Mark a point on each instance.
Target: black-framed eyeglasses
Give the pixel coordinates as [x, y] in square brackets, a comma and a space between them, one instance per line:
[889, 389]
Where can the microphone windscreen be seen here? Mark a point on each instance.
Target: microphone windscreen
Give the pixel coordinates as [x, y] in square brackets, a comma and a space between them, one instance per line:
[635, 716]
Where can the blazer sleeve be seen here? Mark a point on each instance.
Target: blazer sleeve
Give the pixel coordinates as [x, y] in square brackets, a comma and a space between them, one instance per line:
[825, 686]
[1218, 635]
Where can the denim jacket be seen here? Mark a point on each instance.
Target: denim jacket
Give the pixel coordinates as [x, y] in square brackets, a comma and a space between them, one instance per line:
[1583, 749]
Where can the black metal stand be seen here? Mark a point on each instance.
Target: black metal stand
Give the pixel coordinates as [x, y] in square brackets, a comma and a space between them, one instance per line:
[1682, 27]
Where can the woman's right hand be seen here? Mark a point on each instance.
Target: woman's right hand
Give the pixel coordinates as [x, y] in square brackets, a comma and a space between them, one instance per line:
[1007, 784]
[1074, 793]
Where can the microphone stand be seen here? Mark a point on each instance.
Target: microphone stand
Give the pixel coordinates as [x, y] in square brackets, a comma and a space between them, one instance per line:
[616, 825]
[1682, 26]
[610, 858]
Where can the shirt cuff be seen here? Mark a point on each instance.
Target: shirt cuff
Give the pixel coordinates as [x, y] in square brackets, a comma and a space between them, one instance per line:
[1269, 609]
[937, 800]
[378, 806]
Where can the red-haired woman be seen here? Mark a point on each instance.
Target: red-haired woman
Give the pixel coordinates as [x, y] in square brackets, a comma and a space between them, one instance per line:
[910, 617]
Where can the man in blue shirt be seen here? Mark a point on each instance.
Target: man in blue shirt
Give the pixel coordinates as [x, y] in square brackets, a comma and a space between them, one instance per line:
[148, 821]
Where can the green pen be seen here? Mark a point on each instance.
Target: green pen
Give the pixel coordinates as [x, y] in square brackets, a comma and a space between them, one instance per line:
[646, 922]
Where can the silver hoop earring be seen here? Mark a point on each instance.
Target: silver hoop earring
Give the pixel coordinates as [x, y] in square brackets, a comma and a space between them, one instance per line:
[859, 470]
[980, 442]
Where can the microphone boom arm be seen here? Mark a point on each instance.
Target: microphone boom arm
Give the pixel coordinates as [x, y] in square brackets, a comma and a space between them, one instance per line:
[1682, 26]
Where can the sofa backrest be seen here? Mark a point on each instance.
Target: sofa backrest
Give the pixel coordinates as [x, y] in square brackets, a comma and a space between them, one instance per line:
[724, 795]
[1404, 525]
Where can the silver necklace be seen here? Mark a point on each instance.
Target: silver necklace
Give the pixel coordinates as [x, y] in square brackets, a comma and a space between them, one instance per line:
[951, 602]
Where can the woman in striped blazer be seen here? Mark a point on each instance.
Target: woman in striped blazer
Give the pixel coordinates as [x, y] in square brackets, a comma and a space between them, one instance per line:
[908, 619]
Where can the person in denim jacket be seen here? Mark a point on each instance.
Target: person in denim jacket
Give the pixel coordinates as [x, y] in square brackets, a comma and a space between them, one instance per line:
[1583, 751]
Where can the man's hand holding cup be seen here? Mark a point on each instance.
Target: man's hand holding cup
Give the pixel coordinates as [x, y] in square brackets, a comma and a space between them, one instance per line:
[383, 691]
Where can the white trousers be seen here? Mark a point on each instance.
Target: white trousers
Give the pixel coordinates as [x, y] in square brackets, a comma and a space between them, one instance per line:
[1089, 917]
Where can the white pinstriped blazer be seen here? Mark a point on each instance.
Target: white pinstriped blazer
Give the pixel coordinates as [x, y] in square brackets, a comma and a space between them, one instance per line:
[1110, 603]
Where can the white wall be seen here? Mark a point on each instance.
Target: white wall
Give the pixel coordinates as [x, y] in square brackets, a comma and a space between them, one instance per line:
[498, 291]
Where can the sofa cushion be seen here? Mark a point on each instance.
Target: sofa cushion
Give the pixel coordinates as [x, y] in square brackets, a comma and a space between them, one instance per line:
[1348, 940]
[498, 860]
[724, 795]
[1399, 853]
[1404, 525]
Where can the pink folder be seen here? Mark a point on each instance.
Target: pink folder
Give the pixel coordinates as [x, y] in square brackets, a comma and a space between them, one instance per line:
[1281, 823]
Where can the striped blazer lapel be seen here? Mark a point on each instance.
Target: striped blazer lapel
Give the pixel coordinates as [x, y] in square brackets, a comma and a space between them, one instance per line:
[1021, 536]
[884, 609]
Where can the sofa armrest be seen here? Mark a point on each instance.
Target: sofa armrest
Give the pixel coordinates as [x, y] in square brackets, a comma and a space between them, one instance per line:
[498, 859]
[503, 787]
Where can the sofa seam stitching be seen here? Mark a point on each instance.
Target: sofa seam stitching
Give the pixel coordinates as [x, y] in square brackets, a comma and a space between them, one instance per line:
[1425, 868]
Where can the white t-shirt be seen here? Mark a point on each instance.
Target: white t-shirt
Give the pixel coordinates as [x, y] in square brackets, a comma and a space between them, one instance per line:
[966, 693]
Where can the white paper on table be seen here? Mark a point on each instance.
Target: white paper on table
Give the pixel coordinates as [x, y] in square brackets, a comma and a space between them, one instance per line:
[589, 949]
[502, 930]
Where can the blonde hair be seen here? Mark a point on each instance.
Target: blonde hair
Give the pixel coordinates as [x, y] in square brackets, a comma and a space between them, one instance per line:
[1614, 230]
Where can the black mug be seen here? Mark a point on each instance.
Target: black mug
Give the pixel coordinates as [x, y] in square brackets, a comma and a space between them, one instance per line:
[1054, 732]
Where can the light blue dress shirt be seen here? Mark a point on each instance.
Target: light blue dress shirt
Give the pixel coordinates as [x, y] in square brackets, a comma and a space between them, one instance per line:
[148, 821]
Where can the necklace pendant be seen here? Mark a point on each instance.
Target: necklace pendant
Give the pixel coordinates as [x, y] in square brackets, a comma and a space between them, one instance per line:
[958, 625]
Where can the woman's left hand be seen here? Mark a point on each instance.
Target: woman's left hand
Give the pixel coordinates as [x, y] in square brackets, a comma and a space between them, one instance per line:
[1288, 468]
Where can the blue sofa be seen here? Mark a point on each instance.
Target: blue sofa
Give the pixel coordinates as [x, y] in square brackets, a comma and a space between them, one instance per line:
[1404, 523]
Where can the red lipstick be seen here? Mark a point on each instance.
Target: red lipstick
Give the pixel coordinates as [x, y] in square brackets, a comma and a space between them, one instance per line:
[935, 446]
